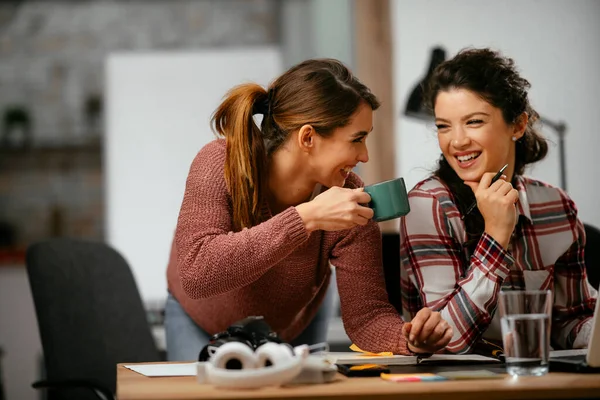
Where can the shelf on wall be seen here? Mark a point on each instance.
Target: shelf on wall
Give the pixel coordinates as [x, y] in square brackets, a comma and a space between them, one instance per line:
[80, 155]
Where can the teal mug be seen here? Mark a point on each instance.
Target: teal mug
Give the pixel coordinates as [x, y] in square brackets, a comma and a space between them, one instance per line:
[389, 199]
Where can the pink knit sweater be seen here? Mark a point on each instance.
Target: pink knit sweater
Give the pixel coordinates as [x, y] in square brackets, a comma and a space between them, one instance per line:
[276, 269]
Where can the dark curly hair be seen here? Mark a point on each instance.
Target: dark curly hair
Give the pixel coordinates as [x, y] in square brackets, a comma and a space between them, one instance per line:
[496, 80]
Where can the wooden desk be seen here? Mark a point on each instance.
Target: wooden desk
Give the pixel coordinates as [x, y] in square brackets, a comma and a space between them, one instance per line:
[133, 386]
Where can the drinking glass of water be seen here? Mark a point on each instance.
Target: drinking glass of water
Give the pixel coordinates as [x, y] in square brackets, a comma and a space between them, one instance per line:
[525, 319]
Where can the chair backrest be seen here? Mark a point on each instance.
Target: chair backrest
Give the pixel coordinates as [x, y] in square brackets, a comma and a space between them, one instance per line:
[592, 254]
[390, 245]
[89, 311]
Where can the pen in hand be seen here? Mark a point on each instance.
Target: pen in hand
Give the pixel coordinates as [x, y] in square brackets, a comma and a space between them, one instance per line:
[494, 179]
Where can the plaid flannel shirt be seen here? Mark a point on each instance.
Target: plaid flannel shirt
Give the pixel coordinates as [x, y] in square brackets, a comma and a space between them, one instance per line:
[545, 252]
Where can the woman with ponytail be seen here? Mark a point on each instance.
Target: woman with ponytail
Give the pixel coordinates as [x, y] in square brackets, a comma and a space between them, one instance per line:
[522, 234]
[268, 210]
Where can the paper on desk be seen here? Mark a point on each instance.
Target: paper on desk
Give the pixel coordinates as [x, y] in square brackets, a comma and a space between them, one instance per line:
[459, 358]
[164, 369]
[567, 353]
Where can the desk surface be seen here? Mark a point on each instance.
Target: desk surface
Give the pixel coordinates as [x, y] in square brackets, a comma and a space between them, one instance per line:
[133, 386]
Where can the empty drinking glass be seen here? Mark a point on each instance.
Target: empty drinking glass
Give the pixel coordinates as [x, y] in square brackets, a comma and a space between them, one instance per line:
[525, 319]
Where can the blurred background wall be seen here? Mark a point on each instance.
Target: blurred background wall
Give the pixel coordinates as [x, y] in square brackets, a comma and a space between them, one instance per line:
[52, 81]
[53, 105]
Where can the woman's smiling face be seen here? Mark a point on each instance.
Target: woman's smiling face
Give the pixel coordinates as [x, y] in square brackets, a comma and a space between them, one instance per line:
[473, 135]
[335, 156]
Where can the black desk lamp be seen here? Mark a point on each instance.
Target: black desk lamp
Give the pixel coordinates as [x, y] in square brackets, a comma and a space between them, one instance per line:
[415, 108]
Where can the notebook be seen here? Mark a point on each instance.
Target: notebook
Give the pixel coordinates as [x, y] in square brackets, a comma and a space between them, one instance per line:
[353, 358]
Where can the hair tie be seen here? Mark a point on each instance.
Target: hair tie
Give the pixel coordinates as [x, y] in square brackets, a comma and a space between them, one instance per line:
[263, 106]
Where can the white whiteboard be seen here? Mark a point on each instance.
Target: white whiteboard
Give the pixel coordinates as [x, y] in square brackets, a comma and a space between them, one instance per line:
[158, 108]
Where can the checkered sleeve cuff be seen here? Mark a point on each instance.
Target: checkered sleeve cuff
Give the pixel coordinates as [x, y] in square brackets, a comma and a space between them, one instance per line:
[493, 257]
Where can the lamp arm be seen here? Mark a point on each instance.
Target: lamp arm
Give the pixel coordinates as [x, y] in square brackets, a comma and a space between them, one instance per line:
[561, 129]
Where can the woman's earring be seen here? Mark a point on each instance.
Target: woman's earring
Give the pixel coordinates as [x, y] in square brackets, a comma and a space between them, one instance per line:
[514, 138]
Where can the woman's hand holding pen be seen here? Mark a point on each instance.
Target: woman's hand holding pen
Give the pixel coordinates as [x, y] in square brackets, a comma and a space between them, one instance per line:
[496, 202]
[336, 209]
[427, 332]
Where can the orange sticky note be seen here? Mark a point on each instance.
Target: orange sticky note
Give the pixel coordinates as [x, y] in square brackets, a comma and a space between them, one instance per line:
[354, 347]
[361, 367]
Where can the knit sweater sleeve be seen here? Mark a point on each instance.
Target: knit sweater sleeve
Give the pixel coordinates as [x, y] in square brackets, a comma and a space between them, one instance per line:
[213, 259]
[370, 320]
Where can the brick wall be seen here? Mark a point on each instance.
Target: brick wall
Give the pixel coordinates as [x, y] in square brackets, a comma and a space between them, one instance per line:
[52, 59]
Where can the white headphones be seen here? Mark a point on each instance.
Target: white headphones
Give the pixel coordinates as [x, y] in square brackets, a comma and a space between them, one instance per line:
[235, 365]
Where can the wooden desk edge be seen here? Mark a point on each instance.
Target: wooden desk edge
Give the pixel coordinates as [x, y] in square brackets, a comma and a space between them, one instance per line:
[134, 386]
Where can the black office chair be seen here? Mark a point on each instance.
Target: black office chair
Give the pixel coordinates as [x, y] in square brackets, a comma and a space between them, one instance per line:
[390, 245]
[90, 316]
[592, 254]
